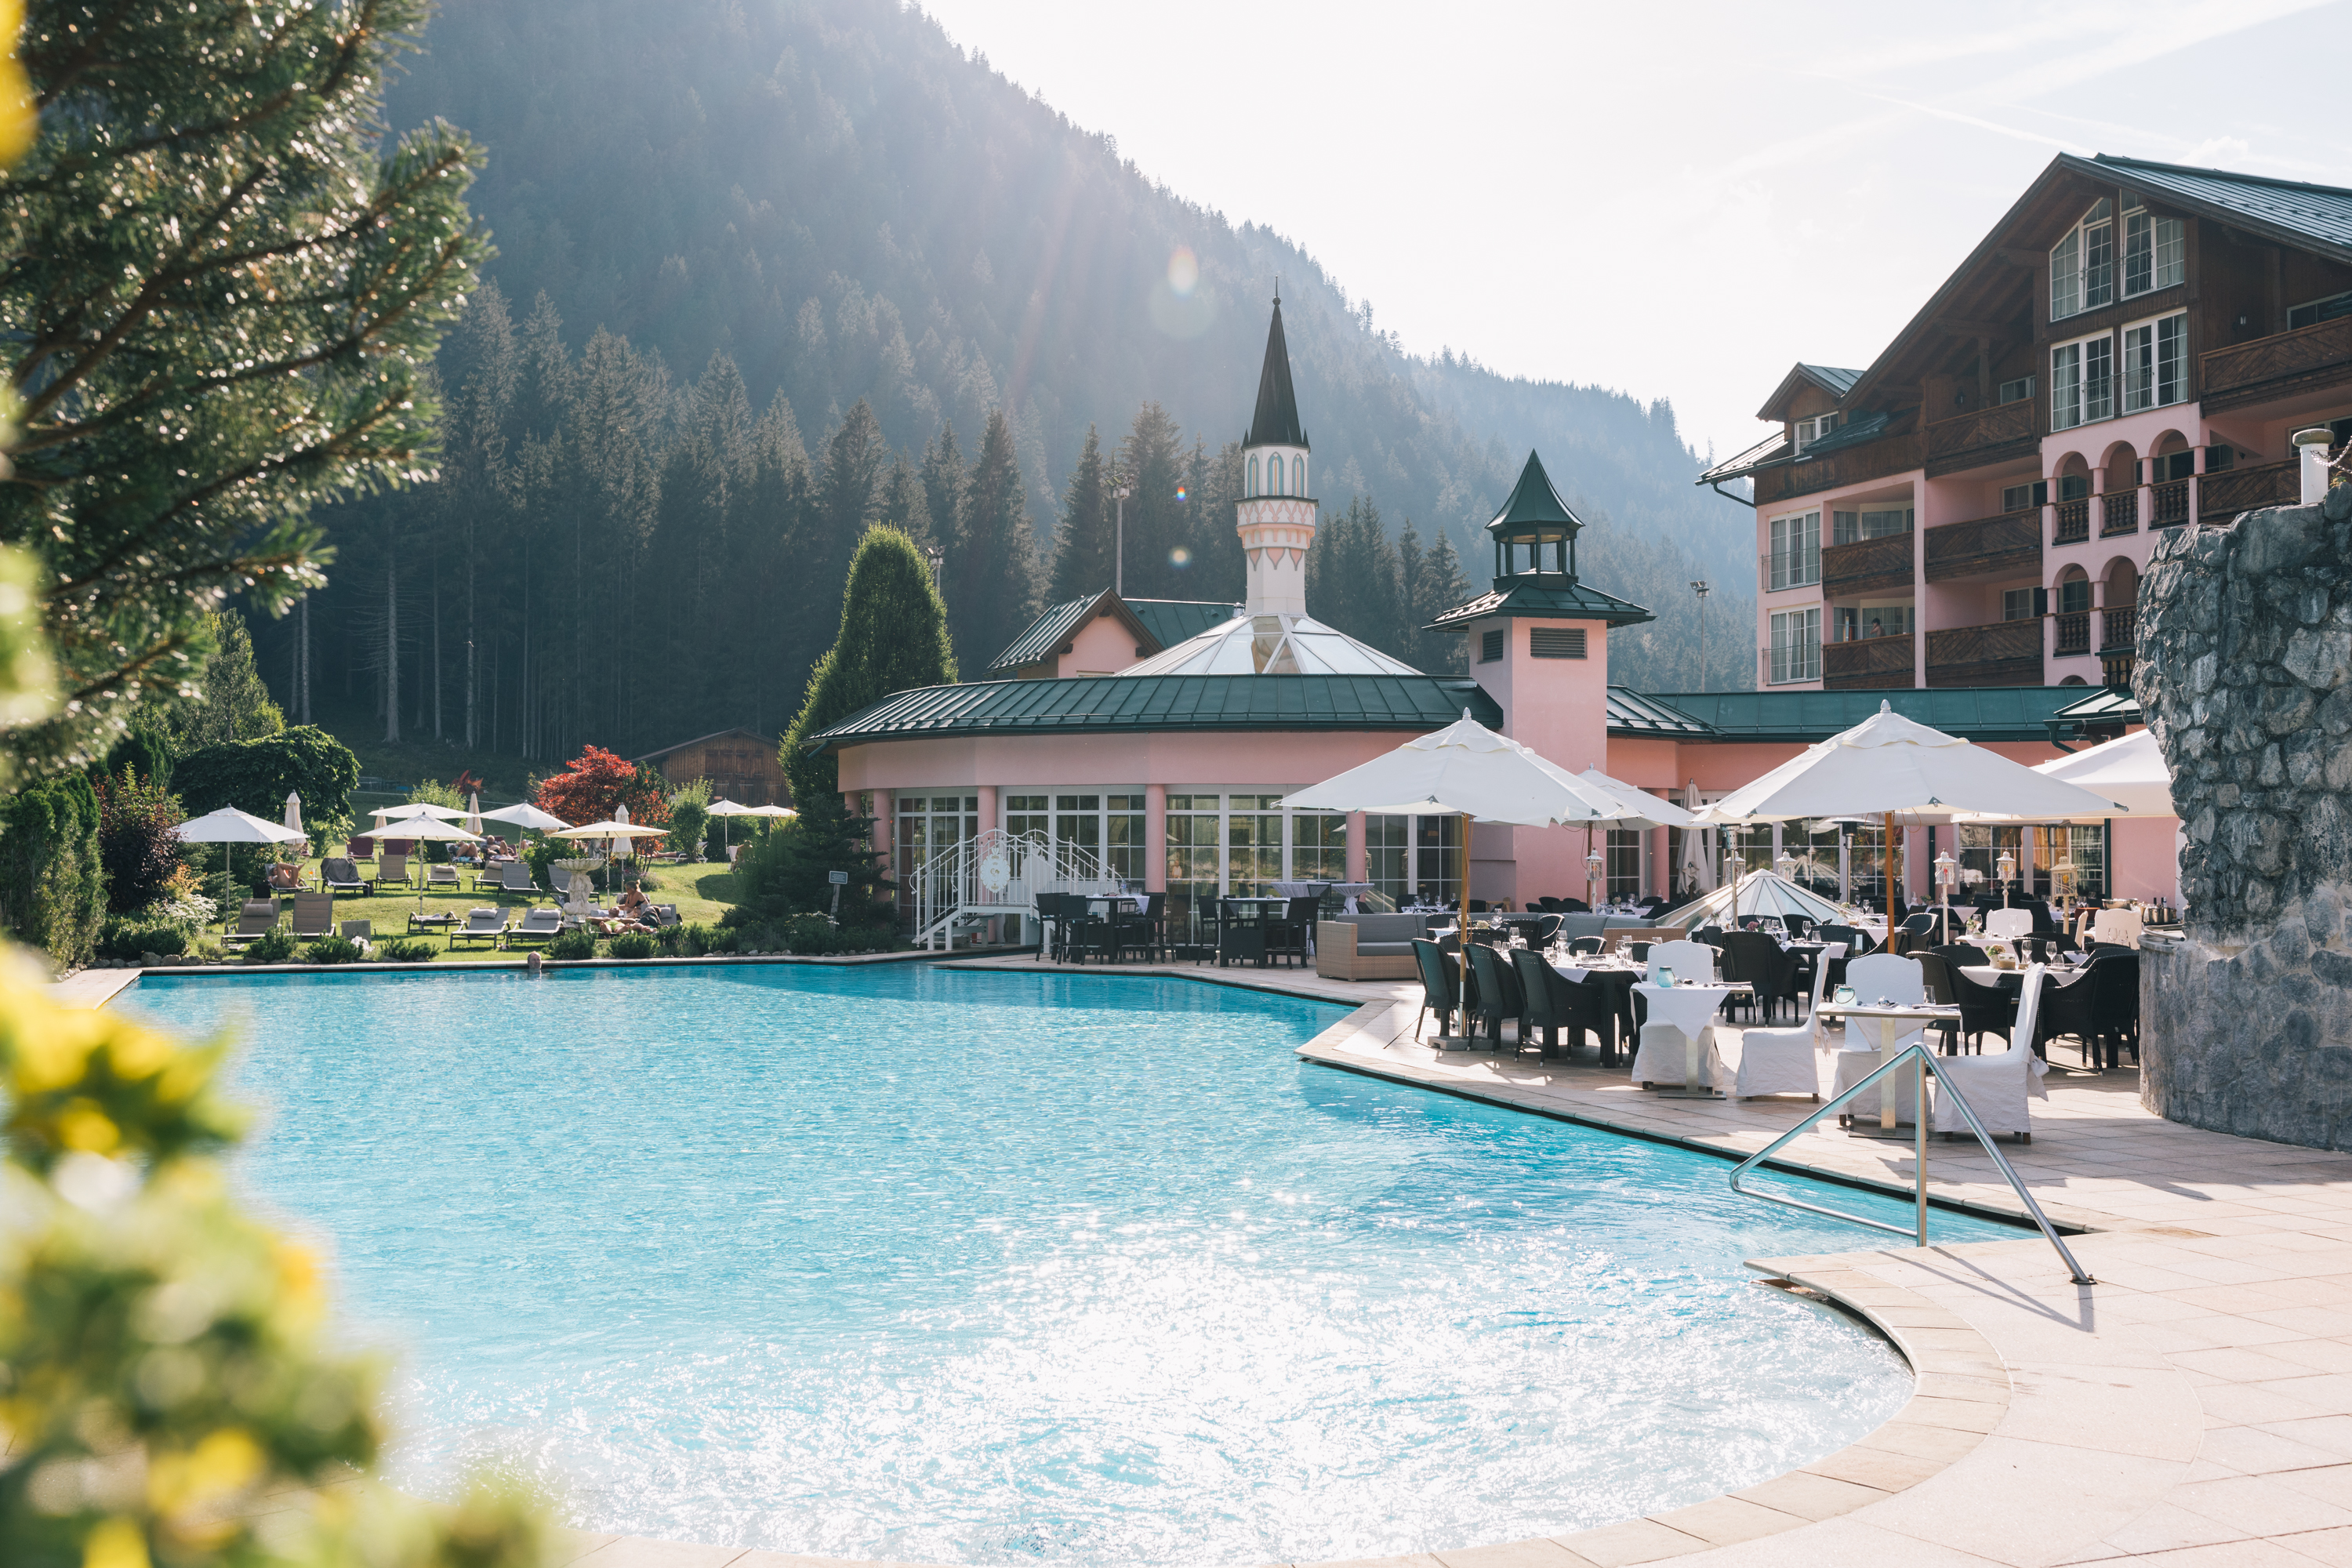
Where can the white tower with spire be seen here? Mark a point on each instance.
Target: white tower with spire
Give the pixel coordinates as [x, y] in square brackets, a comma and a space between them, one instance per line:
[1276, 516]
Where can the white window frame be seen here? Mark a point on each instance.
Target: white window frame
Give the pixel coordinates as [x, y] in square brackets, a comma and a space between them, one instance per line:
[1798, 567]
[1796, 646]
[2070, 402]
[2079, 279]
[1803, 433]
[2155, 361]
[2158, 247]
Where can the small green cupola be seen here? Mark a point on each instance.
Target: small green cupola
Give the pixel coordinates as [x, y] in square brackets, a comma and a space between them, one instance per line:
[1533, 533]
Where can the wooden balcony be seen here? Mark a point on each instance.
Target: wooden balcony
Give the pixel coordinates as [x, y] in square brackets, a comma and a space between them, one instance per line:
[2280, 365]
[2118, 514]
[2073, 632]
[2009, 543]
[2223, 496]
[1852, 466]
[1872, 662]
[2006, 653]
[1982, 435]
[1881, 565]
[2073, 524]
[2171, 508]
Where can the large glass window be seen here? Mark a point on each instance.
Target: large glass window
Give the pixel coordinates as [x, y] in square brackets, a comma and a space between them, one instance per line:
[928, 825]
[1624, 863]
[2083, 265]
[1875, 522]
[1796, 559]
[2153, 252]
[1437, 858]
[2081, 384]
[2084, 846]
[1319, 847]
[1387, 841]
[1796, 646]
[1078, 826]
[1123, 837]
[1253, 845]
[1195, 865]
[2156, 361]
[1028, 814]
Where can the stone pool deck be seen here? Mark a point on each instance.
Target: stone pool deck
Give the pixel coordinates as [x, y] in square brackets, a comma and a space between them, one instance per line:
[2193, 1407]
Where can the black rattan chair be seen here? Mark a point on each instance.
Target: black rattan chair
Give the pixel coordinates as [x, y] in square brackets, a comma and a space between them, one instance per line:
[1771, 972]
[1553, 1003]
[1585, 944]
[1437, 985]
[2115, 1003]
[1500, 996]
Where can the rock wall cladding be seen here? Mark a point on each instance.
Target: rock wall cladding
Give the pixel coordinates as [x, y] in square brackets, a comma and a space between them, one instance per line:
[2244, 671]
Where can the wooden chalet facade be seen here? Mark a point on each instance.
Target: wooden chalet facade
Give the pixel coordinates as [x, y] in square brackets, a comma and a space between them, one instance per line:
[741, 766]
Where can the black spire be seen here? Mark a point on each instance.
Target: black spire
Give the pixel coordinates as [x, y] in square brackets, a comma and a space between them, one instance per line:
[1276, 423]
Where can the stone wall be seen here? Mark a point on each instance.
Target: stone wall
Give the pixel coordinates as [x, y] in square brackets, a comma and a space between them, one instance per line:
[2244, 671]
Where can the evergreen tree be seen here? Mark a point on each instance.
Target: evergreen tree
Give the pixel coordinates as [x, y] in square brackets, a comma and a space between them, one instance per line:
[222, 295]
[231, 702]
[1442, 587]
[992, 572]
[1152, 464]
[1083, 544]
[1216, 568]
[906, 507]
[893, 638]
[943, 485]
[1352, 580]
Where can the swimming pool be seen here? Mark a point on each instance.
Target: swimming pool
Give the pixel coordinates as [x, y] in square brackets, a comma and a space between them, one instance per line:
[917, 1263]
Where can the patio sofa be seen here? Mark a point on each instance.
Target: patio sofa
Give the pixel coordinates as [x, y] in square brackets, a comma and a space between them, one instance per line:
[1368, 947]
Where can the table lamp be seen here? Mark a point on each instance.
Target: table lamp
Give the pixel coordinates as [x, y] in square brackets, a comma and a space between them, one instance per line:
[1595, 867]
[2004, 871]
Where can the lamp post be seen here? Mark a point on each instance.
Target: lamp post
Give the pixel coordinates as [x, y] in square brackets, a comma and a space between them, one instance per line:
[1700, 589]
[2061, 877]
[1596, 867]
[1947, 869]
[1733, 865]
[2003, 870]
[1119, 544]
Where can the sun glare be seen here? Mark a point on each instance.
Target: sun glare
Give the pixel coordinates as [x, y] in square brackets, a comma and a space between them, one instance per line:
[1183, 271]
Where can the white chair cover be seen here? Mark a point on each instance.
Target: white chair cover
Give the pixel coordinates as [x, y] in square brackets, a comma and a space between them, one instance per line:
[1688, 959]
[1777, 1061]
[1999, 1083]
[1664, 1049]
[2123, 926]
[1899, 980]
[2008, 922]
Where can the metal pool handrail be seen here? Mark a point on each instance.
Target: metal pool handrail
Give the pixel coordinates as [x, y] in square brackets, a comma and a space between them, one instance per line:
[1925, 1064]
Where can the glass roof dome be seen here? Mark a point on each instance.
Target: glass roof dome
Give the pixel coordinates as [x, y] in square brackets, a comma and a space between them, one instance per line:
[1270, 645]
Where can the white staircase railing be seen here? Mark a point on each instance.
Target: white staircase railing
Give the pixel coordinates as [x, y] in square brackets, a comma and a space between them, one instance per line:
[999, 873]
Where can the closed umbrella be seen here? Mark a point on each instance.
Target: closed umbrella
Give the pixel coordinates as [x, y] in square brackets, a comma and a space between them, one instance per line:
[1889, 766]
[1466, 770]
[229, 826]
[294, 811]
[1695, 866]
[474, 816]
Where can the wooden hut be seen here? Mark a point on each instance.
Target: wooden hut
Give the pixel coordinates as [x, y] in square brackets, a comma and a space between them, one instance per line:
[740, 765]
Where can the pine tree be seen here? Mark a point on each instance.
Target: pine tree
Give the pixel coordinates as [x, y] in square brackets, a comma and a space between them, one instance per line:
[1083, 545]
[905, 507]
[1442, 587]
[1353, 579]
[1152, 466]
[943, 485]
[992, 572]
[222, 299]
[232, 702]
[1216, 568]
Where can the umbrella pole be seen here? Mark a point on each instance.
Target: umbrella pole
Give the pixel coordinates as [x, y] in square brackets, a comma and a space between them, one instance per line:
[1887, 865]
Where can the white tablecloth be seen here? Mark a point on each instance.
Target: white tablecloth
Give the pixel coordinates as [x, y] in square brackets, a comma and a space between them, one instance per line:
[1689, 1008]
[1986, 974]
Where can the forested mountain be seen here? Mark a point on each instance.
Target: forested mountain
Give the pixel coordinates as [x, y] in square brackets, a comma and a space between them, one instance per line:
[725, 227]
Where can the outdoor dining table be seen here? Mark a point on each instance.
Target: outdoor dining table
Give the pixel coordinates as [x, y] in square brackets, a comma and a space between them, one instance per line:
[1691, 1006]
[1617, 979]
[1894, 1022]
[2014, 979]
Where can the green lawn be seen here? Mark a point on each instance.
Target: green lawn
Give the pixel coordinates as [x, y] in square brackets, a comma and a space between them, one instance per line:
[702, 894]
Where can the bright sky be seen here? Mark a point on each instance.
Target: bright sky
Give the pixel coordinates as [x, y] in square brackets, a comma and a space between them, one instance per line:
[1673, 200]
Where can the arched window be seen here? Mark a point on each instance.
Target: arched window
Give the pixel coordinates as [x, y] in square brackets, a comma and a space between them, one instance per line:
[1251, 488]
[1298, 475]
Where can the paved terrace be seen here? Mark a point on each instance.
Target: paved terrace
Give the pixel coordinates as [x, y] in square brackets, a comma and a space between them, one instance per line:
[2191, 1409]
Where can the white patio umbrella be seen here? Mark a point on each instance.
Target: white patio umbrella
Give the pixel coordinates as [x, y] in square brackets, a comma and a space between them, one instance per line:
[417, 809]
[2129, 772]
[1889, 766]
[526, 816]
[435, 828]
[229, 826]
[1466, 770]
[730, 809]
[619, 827]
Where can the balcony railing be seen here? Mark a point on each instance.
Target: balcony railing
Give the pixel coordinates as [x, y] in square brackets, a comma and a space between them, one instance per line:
[2073, 522]
[1846, 466]
[2304, 360]
[2010, 542]
[1867, 565]
[1980, 436]
[2006, 653]
[2118, 514]
[2117, 628]
[2171, 504]
[1872, 662]
[2074, 632]
[2223, 496]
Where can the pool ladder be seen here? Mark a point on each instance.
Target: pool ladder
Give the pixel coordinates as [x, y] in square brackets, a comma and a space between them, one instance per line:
[1924, 1064]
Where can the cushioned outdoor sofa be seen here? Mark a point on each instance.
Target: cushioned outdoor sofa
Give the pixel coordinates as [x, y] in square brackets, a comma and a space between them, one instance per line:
[1368, 947]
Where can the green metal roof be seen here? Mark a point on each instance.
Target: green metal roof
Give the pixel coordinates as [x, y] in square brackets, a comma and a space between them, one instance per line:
[1096, 705]
[2288, 209]
[1533, 502]
[1551, 597]
[1632, 713]
[1973, 713]
[1833, 380]
[1038, 643]
[1860, 431]
[1172, 621]
[1276, 422]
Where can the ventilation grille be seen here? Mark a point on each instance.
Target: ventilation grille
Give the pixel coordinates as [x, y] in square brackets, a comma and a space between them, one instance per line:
[1490, 647]
[1556, 642]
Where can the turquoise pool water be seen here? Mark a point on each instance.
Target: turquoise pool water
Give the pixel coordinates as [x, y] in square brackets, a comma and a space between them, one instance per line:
[998, 1269]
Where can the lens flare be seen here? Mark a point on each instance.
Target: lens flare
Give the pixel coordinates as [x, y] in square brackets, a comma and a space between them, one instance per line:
[1179, 558]
[1183, 492]
[1183, 271]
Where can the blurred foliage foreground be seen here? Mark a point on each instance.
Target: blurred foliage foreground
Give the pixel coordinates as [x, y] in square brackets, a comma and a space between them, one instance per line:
[164, 1372]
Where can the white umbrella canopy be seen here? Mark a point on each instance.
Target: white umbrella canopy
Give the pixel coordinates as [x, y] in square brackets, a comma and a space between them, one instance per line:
[1650, 810]
[1890, 765]
[2131, 771]
[421, 808]
[229, 826]
[432, 828]
[1468, 770]
[734, 808]
[775, 811]
[526, 816]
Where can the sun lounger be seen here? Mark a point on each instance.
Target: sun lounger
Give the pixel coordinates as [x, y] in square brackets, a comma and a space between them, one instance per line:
[481, 925]
[394, 868]
[255, 919]
[342, 877]
[441, 876]
[360, 848]
[314, 914]
[516, 878]
[285, 876]
[664, 915]
[537, 925]
[361, 933]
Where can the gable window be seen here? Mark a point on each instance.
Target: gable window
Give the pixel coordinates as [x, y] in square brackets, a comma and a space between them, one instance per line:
[2083, 265]
[1796, 558]
[2156, 361]
[1851, 526]
[2153, 252]
[1796, 646]
[1805, 432]
[2016, 391]
[2082, 382]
